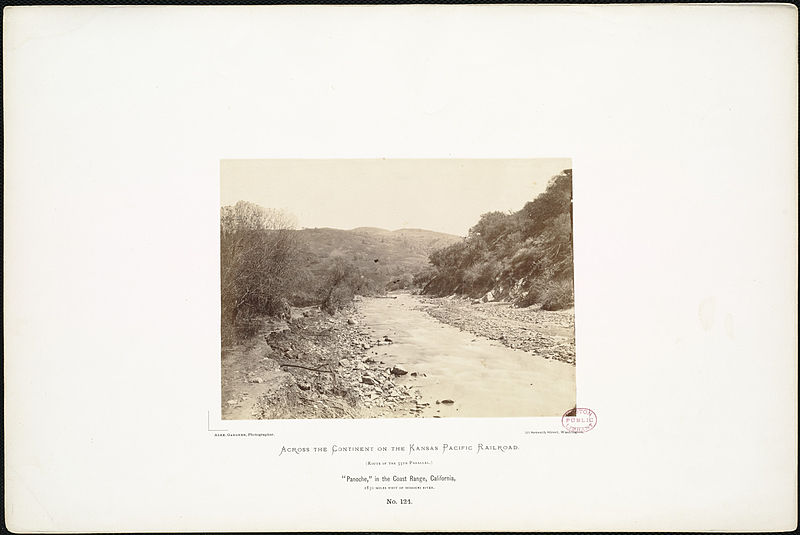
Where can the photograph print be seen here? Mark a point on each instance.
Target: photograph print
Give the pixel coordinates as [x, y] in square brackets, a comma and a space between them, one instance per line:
[396, 288]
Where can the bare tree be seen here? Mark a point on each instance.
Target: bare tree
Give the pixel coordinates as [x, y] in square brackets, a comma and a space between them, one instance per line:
[257, 252]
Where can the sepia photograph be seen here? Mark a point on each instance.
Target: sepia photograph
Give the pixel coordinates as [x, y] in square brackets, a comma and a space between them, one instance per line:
[396, 288]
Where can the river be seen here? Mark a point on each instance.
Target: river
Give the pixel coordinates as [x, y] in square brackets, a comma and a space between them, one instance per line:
[482, 377]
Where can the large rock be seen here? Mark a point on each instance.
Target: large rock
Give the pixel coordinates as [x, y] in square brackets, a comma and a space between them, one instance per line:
[397, 370]
[367, 380]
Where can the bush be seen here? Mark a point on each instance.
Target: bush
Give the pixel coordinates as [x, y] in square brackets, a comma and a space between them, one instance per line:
[558, 296]
[341, 282]
[422, 278]
[257, 253]
[502, 250]
[530, 298]
[480, 278]
[401, 282]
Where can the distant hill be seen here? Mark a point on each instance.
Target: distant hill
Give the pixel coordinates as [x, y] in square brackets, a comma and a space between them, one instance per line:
[384, 256]
[410, 239]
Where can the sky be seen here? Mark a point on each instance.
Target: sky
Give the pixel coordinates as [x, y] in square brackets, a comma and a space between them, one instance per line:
[447, 195]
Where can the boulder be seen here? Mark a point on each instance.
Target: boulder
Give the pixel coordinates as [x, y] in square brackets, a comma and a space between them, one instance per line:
[397, 370]
[367, 380]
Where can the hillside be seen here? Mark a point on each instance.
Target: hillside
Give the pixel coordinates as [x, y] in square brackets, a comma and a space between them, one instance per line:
[524, 257]
[384, 259]
[398, 251]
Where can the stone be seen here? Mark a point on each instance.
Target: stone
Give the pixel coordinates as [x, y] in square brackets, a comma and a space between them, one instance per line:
[304, 386]
[397, 370]
[448, 401]
[231, 402]
[367, 380]
[351, 321]
[256, 380]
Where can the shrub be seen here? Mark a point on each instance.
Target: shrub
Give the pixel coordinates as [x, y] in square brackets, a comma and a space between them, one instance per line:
[257, 252]
[532, 245]
[341, 282]
[558, 296]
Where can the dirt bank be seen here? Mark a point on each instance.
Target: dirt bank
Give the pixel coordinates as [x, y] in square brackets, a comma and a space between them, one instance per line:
[314, 366]
[404, 356]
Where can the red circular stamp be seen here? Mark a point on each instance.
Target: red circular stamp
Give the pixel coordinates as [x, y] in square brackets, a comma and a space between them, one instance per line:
[579, 420]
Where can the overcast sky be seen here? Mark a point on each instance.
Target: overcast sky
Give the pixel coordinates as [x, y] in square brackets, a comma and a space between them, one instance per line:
[442, 195]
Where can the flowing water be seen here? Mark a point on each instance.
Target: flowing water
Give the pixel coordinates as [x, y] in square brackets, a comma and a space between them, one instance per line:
[481, 376]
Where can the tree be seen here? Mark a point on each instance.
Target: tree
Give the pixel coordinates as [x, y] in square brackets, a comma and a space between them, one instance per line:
[342, 281]
[492, 226]
[257, 249]
[525, 255]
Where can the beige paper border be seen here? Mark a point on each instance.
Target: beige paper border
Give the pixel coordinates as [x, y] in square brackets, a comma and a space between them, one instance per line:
[681, 122]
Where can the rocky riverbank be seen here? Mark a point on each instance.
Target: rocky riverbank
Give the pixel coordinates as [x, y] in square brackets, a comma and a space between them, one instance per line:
[548, 334]
[321, 366]
[313, 366]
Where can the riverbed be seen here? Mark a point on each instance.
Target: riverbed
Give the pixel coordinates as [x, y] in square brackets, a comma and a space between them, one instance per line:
[480, 376]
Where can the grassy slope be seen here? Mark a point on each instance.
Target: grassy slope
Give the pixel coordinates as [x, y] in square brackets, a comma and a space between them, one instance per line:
[400, 251]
